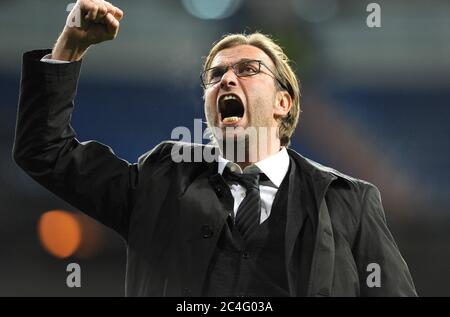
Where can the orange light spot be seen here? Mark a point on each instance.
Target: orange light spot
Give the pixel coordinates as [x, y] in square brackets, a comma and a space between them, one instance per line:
[59, 232]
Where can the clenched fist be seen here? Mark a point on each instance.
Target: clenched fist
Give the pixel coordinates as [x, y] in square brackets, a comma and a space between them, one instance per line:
[90, 22]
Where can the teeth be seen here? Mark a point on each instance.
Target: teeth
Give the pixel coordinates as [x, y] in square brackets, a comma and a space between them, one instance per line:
[228, 97]
[231, 119]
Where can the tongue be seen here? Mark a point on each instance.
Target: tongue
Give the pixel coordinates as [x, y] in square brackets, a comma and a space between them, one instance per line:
[231, 119]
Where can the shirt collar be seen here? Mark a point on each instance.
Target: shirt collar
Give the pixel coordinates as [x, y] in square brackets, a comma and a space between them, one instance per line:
[275, 166]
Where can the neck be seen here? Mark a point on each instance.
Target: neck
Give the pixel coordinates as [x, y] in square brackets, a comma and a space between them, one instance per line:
[244, 154]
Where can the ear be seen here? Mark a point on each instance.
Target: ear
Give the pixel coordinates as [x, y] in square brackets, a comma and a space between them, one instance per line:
[283, 104]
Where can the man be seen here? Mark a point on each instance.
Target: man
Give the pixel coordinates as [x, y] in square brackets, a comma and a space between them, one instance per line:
[263, 221]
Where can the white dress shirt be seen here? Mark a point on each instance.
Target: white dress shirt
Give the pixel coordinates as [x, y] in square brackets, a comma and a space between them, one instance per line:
[275, 167]
[48, 59]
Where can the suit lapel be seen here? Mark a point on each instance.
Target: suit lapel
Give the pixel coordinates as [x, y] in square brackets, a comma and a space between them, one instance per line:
[295, 218]
[307, 189]
[322, 264]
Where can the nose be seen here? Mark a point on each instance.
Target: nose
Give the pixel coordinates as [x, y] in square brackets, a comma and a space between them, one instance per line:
[228, 79]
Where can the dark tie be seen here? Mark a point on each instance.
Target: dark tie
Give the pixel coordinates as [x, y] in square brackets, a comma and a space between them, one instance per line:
[248, 213]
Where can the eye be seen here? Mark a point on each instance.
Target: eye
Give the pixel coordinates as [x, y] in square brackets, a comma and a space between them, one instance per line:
[215, 73]
[247, 68]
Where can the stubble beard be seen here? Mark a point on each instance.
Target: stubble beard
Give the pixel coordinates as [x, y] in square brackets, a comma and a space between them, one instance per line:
[242, 144]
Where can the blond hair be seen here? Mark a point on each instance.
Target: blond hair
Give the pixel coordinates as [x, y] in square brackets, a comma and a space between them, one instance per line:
[283, 72]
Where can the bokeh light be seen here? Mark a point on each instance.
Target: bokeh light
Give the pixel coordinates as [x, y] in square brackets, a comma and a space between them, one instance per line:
[59, 233]
[211, 9]
[315, 11]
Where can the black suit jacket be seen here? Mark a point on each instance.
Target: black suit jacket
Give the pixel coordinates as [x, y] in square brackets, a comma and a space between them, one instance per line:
[170, 215]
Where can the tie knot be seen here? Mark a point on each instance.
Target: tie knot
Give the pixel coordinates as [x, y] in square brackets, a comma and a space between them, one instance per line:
[248, 180]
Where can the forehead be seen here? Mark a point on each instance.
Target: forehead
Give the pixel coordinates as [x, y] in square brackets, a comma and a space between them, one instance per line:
[233, 55]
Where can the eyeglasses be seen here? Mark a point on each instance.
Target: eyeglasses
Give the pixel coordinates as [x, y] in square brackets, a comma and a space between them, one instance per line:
[244, 68]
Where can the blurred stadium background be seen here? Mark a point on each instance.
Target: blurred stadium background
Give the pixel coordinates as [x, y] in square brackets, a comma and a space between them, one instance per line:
[375, 106]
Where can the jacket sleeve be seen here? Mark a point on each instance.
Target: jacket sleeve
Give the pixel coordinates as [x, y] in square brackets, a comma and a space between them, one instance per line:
[382, 270]
[87, 175]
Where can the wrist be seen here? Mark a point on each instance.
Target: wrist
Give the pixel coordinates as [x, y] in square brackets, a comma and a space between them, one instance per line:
[67, 49]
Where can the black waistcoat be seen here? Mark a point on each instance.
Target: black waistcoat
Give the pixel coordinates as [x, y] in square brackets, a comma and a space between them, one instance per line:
[256, 267]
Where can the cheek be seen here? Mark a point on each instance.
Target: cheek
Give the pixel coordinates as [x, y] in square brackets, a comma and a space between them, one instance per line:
[263, 103]
[262, 109]
[261, 94]
[209, 104]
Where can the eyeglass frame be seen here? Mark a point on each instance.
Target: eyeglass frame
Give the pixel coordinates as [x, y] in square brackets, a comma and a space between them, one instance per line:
[234, 71]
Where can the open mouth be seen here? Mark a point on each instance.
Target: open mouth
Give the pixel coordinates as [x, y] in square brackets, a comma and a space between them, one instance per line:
[231, 109]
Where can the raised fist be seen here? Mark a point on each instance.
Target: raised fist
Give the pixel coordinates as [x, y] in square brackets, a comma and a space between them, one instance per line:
[93, 21]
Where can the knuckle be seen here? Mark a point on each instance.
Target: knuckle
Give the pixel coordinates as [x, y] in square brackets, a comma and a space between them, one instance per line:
[85, 5]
